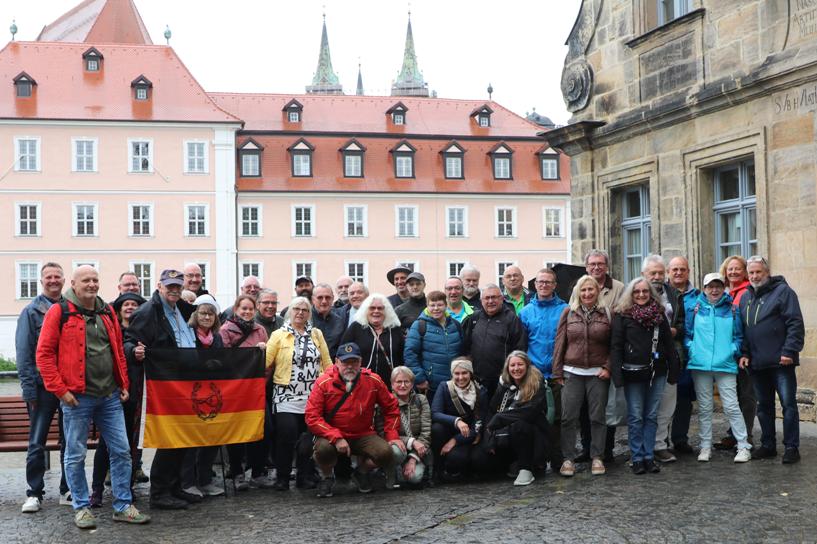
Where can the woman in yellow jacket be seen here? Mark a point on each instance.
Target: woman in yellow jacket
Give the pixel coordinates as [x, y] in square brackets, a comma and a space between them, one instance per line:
[296, 355]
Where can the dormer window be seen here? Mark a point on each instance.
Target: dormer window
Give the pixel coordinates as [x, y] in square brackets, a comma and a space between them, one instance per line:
[293, 110]
[141, 88]
[549, 163]
[502, 161]
[403, 154]
[301, 153]
[398, 113]
[249, 158]
[92, 59]
[453, 155]
[482, 116]
[352, 152]
[24, 85]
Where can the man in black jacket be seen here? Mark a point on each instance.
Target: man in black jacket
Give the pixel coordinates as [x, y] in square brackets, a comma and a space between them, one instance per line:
[410, 310]
[150, 328]
[490, 335]
[655, 271]
[772, 340]
[324, 317]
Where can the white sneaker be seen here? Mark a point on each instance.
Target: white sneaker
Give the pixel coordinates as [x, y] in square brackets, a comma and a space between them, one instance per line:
[743, 456]
[193, 490]
[525, 477]
[66, 499]
[705, 455]
[31, 505]
[211, 490]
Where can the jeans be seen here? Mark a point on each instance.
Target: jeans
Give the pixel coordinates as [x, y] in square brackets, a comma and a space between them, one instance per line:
[727, 390]
[101, 458]
[643, 399]
[577, 391]
[107, 413]
[666, 409]
[40, 419]
[783, 381]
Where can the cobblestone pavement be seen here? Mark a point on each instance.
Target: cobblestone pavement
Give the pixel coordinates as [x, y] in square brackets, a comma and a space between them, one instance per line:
[761, 501]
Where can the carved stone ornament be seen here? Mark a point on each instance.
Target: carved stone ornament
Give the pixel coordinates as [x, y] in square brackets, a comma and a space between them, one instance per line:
[577, 85]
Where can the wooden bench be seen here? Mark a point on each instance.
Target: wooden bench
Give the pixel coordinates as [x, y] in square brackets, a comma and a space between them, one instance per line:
[15, 425]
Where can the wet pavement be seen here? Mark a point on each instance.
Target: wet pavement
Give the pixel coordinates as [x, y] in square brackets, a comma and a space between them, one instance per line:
[720, 501]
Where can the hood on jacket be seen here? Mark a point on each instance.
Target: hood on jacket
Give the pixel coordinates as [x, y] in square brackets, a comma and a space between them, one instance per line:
[773, 282]
[554, 300]
[99, 304]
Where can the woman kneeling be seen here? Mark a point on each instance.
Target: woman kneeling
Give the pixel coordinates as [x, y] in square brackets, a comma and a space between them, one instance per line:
[415, 429]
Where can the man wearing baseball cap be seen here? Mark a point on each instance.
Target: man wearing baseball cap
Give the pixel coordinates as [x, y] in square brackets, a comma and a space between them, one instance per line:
[410, 310]
[397, 276]
[340, 413]
[303, 288]
[162, 323]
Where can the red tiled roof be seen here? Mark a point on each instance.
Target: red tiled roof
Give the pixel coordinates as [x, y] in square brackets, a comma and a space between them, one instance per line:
[65, 90]
[367, 114]
[378, 167]
[101, 21]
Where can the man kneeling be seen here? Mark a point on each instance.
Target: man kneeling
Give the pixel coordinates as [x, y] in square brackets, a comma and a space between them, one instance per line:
[340, 413]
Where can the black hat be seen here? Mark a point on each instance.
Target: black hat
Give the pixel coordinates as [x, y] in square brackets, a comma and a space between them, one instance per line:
[390, 274]
[416, 276]
[120, 300]
[299, 279]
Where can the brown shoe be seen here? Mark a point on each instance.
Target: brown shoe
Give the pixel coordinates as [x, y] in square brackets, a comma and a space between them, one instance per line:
[568, 468]
[597, 468]
[726, 443]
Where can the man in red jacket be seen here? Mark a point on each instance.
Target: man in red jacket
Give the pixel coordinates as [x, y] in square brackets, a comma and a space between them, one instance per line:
[340, 413]
[82, 362]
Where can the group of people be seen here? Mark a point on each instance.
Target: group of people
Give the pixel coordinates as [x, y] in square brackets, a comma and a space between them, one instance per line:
[427, 387]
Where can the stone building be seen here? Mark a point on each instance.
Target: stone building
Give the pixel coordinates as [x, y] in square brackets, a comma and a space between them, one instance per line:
[693, 133]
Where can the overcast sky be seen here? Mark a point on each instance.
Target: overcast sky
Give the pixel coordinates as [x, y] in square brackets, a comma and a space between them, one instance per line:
[272, 46]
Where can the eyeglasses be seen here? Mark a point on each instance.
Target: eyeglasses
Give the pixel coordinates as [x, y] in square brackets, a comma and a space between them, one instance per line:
[299, 310]
[545, 282]
[641, 291]
[380, 308]
[596, 265]
[268, 303]
[402, 382]
[492, 297]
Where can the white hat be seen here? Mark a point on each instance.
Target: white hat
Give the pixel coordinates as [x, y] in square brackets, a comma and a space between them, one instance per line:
[713, 276]
[207, 299]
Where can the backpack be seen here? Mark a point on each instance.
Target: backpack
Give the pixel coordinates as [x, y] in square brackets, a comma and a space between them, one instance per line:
[65, 312]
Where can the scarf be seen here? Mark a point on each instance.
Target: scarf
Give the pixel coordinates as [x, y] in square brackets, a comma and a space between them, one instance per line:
[245, 326]
[588, 312]
[205, 337]
[468, 394]
[648, 316]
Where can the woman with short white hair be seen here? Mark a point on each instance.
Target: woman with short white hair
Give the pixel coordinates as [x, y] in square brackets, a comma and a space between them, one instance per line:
[376, 330]
[415, 429]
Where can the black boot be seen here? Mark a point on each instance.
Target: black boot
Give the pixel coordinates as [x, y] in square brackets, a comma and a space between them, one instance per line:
[609, 445]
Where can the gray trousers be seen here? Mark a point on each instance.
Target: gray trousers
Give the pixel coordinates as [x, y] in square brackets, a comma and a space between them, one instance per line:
[575, 390]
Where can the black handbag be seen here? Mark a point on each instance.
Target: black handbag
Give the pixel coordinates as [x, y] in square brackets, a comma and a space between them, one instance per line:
[642, 372]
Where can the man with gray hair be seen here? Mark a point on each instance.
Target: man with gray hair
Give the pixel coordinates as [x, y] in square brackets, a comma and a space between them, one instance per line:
[597, 265]
[773, 337]
[193, 279]
[357, 294]
[342, 291]
[325, 318]
[267, 314]
[469, 274]
[654, 271]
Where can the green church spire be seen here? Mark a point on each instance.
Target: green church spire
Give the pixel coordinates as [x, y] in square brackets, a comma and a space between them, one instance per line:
[325, 81]
[410, 80]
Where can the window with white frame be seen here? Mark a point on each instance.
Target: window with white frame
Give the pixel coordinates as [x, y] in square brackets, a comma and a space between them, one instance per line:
[250, 269]
[28, 281]
[303, 221]
[307, 269]
[250, 164]
[195, 160]
[407, 221]
[205, 268]
[28, 219]
[294, 116]
[636, 228]
[355, 221]
[552, 218]
[455, 267]
[505, 222]
[85, 216]
[141, 155]
[250, 220]
[141, 220]
[453, 166]
[301, 164]
[667, 10]
[735, 211]
[404, 166]
[196, 220]
[411, 265]
[398, 118]
[457, 221]
[28, 154]
[84, 155]
[144, 274]
[352, 165]
[356, 271]
[502, 168]
[550, 166]
[500, 271]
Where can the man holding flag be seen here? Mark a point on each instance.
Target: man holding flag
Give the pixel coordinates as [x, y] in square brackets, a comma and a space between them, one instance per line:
[81, 361]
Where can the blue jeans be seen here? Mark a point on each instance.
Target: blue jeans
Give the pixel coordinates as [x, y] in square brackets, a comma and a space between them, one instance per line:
[107, 413]
[783, 381]
[40, 421]
[728, 392]
[643, 399]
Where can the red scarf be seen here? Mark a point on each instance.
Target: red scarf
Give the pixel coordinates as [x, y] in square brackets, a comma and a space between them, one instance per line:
[205, 337]
[649, 315]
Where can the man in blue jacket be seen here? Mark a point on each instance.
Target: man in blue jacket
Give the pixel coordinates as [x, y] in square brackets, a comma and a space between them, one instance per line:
[40, 403]
[772, 341]
[541, 319]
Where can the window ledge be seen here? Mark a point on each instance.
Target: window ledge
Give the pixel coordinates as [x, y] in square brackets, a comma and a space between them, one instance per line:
[666, 28]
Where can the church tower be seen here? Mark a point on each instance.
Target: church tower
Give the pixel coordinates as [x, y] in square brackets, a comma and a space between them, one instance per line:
[410, 80]
[325, 81]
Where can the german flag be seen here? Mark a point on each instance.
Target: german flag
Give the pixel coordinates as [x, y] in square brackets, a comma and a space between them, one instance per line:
[203, 397]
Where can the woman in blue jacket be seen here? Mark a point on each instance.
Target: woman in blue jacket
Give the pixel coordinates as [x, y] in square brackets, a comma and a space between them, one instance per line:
[713, 337]
[433, 340]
